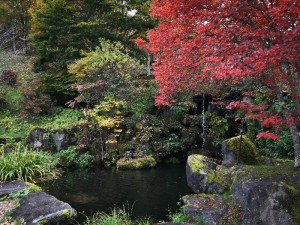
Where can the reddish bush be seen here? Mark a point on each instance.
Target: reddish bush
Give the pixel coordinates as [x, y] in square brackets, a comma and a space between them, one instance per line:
[9, 77]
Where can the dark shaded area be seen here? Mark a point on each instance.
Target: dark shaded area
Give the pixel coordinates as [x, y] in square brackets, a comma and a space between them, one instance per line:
[150, 192]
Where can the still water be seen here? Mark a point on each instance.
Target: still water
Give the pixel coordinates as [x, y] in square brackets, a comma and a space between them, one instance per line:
[152, 193]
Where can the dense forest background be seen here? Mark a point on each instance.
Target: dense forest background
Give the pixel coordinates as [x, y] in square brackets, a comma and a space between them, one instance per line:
[74, 66]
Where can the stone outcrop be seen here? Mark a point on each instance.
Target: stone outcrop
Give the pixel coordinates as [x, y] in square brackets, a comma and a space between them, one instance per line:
[268, 201]
[201, 175]
[51, 140]
[37, 138]
[42, 208]
[37, 207]
[7, 188]
[206, 208]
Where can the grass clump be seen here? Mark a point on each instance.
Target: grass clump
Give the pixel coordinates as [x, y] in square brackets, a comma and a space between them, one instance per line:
[116, 217]
[28, 165]
[180, 217]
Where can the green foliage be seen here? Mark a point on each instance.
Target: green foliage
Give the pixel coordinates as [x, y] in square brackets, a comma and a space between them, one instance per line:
[116, 217]
[245, 148]
[108, 70]
[12, 126]
[56, 42]
[27, 164]
[70, 157]
[281, 148]
[217, 128]
[67, 157]
[85, 160]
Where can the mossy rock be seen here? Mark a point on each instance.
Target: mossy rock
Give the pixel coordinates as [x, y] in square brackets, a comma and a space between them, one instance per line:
[238, 149]
[202, 176]
[133, 164]
[293, 203]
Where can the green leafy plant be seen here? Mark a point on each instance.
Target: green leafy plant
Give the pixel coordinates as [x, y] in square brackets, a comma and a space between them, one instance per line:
[27, 164]
[67, 157]
[85, 160]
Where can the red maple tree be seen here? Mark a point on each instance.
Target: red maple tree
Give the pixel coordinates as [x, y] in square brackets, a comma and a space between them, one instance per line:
[198, 43]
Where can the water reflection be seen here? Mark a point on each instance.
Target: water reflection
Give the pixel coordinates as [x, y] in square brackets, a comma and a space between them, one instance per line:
[148, 192]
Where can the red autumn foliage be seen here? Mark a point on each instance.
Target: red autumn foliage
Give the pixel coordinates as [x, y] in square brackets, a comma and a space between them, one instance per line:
[199, 41]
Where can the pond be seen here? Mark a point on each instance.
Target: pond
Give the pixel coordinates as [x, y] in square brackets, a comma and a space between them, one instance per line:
[145, 193]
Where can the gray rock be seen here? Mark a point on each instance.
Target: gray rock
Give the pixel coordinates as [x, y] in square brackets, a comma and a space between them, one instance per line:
[37, 138]
[262, 203]
[11, 187]
[62, 140]
[201, 175]
[208, 209]
[229, 158]
[43, 208]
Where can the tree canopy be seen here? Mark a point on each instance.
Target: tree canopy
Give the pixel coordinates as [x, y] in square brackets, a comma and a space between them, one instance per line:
[206, 45]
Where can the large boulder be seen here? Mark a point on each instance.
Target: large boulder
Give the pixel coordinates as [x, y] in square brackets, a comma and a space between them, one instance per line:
[206, 208]
[42, 208]
[269, 201]
[201, 175]
[11, 187]
[239, 149]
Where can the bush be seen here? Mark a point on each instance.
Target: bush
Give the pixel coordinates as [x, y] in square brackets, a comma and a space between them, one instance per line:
[33, 98]
[69, 157]
[9, 77]
[27, 164]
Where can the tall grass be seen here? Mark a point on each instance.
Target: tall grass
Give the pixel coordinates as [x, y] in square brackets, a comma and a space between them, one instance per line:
[26, 164]
[116, 217]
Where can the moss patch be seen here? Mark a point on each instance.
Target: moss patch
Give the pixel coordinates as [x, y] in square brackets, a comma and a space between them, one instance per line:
[246, 149]
[208, 165]
[33, 187]
[268, 171]
[293, 206]
[139, 163]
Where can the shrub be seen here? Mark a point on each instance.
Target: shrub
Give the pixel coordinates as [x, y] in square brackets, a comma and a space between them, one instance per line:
[67, 157]
[27, 164]
[33, 98]
[9, 77]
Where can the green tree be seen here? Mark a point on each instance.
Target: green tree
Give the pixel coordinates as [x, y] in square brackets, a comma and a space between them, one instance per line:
[108, 70]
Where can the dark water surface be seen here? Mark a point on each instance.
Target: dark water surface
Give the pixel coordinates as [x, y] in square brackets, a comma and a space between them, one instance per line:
[151, 192]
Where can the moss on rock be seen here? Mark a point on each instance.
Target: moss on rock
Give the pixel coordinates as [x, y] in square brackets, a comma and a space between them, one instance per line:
[293, 206]
[246, 149]
[33, 187]
[139, 163]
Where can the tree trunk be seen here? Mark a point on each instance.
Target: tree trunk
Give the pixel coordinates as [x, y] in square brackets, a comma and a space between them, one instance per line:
[293, 130]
